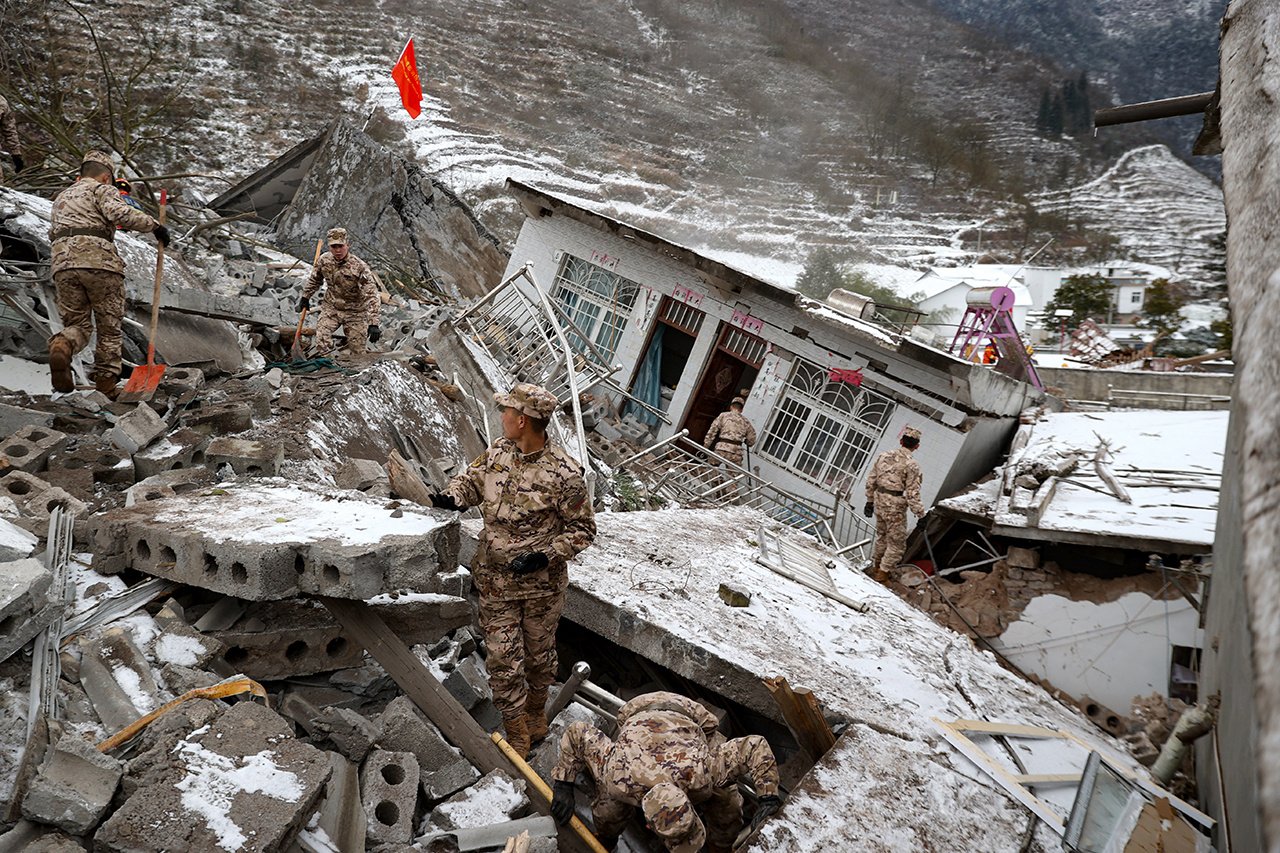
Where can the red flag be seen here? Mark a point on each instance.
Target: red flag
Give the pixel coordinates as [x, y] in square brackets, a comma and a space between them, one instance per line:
[405, 73]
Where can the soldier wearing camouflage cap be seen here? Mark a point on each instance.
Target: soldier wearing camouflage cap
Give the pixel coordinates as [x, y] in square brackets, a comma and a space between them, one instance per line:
[537, 517]
[893, 487]
[350, 298]
[671, 762]
[88, 273]
[9, 134]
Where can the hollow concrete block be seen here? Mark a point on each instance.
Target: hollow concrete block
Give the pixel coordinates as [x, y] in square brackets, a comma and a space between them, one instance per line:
[35, 497]
[444, 770]
[245, 456]
[389, 788]
[136, 429]
[219, 418]
[73, 790]
[180, 449]
[28, 448]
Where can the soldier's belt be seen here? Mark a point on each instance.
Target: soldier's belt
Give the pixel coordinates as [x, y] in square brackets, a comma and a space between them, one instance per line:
[64, 233]
[897, 493]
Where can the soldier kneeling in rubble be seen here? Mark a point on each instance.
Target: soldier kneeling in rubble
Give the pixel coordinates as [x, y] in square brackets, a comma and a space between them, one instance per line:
[670, 761]
[350, 298]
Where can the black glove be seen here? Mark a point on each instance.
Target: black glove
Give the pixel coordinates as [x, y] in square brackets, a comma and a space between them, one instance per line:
[868, 509]
[303, 304]
[527, 563]
[562, 802]
[374, 334]
[162, 235]
[768, 805]
[443, 501]
[18, 163]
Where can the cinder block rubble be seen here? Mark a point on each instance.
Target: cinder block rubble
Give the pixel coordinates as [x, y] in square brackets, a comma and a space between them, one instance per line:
[28, 448]
[494, 799]
[137, 429]
[240, 783]
[117, 677]
[269, 542]
[168, 484]
[360, 474]
[179, 449]
[245, 456]
[443, 768]
[353, 734]
[25, 607]
[389, 788]
[74, 788]
[219, 418]
[15, 543]
[36, 498]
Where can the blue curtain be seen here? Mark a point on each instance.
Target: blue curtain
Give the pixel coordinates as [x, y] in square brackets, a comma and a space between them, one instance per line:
[648, 385]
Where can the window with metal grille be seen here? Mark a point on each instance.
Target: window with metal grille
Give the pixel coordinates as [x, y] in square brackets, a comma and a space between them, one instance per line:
[680, 315]
[745, 346]
[596, 300]
[824, 431]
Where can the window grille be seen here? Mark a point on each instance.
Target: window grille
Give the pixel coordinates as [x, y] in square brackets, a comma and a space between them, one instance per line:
[825, 431]
[597, 301]
[745, 346]
[680, 315]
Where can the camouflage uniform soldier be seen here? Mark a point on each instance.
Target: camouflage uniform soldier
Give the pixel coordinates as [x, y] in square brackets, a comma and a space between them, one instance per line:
[350, 300]
[88, 273]
[9, 134]
[730, 431]
[893, 486]
[671, 762]
[537, 516]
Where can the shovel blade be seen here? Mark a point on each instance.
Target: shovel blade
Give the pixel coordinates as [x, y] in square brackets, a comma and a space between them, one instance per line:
[142, 384]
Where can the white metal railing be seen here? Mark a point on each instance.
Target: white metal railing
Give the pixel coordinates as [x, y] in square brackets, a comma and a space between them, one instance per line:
[678, 469]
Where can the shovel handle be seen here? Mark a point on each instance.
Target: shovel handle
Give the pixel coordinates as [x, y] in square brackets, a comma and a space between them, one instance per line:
[155, 296]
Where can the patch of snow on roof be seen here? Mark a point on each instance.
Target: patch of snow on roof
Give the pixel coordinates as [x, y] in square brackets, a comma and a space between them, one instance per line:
[214, 780]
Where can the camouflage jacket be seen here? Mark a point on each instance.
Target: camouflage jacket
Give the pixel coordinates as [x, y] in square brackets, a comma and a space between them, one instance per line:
[351, 286]
[896, 471]
[534, 502]
[666, 737]
[89, 206]
[9, 128]
[730, 430]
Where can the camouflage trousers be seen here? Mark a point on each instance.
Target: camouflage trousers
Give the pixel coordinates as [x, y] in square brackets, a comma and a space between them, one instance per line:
[891, 536]
[86, 298]
[356, 324]
[719, 808]
[521, 638]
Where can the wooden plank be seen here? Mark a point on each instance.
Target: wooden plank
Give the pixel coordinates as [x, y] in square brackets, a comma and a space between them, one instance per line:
[1002, 777]
[1009, 729]
[796, 715]
[364, 624]
[1048, 778]
[812, 711]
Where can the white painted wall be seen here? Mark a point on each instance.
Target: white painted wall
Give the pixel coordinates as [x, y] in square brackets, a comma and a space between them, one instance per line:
[1111, 652]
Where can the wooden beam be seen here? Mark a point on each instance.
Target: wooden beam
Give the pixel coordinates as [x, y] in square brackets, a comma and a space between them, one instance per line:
[364, 624]
[802, 716]
[1048, 778]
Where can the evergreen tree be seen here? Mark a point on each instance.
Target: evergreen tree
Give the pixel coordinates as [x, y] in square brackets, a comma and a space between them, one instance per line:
[823, 272]
[1086, 296]
[1162, 303]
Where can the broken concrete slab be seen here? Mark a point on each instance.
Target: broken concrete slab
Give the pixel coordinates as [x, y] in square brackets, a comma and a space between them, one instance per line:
[245, 456]
[182, 379]
[28, 837]
[182, 679]
[241, 783]
[360, 474]
[444, 769]
[541, 828]
[389, 788]
[496, 798]
[73, 789]
[342, 815]
[181, 644]
[369, 680]
[115, 674]
[28, 448]
[352, 733]
[14, 418]
[469, 683]
[15, 543]
[25, 606]
[137, 429]
[268, 542]
[166, 484]
[289, 652]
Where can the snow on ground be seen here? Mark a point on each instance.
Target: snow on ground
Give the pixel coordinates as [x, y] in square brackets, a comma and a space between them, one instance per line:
[214, 780]
[892, 783]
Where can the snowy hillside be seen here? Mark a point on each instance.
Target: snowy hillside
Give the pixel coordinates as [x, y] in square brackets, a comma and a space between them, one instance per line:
[1163, 211]
[755, 130]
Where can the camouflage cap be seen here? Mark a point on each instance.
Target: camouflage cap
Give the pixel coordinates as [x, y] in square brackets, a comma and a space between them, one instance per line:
[529, 399]
[669, 813]
[100, 158]
[911, 432]
[738, 401]
[337, 236]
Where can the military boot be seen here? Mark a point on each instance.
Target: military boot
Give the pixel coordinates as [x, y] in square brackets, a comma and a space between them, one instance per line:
[106, 385]
[535, 715]
[60, 354]
[517, 732]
